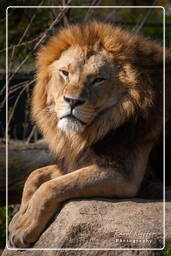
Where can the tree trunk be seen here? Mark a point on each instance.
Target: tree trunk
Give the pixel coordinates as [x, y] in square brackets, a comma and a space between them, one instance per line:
[22, 160]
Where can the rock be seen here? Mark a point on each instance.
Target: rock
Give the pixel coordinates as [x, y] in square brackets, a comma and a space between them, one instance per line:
[104, 223]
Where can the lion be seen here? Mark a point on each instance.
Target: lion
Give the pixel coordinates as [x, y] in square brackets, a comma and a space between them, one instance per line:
[98, 101]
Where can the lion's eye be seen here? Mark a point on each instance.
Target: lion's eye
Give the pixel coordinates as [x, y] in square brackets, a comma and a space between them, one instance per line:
[98, 80]
[64, 72]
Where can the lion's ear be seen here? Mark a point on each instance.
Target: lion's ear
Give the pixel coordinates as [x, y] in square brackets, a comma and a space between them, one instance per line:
[98, 46]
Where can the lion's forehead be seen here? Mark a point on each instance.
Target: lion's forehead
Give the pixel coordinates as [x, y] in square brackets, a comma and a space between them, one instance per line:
[76, 60]
[96, 62]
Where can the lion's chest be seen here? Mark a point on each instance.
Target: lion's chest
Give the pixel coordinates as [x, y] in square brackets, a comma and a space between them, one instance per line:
[85, 159]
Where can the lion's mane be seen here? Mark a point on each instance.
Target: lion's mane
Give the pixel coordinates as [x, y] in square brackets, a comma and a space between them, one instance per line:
[140, 65]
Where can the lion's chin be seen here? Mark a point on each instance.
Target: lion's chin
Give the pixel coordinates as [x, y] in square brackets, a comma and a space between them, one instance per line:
[69, 124]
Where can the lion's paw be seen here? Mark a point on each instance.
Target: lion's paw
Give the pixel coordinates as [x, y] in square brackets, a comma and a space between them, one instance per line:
[25, 227]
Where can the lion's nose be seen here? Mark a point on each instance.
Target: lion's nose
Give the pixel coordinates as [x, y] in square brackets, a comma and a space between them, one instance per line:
[74, 102]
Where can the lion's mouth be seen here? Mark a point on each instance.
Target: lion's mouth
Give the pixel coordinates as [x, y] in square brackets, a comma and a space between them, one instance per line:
[73, 118]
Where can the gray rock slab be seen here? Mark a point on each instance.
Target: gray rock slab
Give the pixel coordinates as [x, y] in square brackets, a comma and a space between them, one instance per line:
[102, 223]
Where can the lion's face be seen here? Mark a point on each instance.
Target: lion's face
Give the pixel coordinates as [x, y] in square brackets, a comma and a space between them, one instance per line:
[92, 79]
[83, 86]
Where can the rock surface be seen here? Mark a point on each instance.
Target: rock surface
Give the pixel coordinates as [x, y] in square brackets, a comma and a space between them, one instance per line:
[103, 223]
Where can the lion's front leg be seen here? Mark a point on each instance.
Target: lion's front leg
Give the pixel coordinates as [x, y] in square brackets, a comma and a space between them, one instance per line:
[37, 178]
[34, 181]
[87, 182]
[31, 222]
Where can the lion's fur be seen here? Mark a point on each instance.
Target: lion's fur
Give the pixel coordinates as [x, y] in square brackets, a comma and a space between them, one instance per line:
[112, 153]
[139, 64]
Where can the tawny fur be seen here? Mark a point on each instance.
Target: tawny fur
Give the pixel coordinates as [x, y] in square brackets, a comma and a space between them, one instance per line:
[140, 68]
[110, 156]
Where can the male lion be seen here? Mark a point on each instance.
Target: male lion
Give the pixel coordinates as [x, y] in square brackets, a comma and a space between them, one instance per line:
[98, 101]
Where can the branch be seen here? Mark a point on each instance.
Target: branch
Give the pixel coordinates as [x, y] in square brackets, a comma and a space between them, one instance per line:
[21, 44]
[18, 97]
[24, 34]
[91, 10]
[141, 22]
[31, 134]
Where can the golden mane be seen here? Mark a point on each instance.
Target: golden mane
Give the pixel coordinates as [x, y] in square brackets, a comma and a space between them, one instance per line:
[134, 56]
